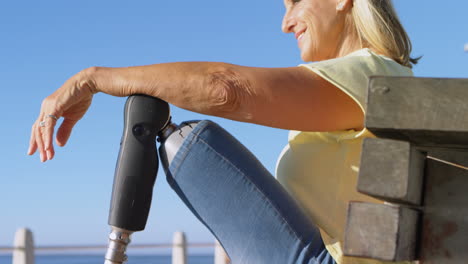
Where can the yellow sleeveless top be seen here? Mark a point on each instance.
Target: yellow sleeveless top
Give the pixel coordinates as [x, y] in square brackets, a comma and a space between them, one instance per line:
[320, 169]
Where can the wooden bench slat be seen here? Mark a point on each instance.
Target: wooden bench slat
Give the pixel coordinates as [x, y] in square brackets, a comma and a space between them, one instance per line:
[381, 232]
[425, 111]
[391, 170]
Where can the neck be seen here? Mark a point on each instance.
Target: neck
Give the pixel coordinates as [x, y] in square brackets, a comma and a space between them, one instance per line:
[350, 40]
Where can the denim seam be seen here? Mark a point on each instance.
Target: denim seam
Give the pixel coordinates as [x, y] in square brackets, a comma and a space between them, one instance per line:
[260, 191]
[186, 146]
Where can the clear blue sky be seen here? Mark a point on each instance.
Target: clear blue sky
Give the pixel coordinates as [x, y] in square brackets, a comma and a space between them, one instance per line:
[66, 201]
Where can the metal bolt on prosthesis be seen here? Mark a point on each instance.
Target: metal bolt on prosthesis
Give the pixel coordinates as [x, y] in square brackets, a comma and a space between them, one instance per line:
[118, 242]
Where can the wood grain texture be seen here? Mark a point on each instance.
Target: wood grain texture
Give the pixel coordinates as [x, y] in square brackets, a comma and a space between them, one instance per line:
[381, 232]
[391, 170]
[425, 111]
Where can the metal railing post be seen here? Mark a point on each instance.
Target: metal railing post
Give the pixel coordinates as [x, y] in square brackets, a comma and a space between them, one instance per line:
[23, 247]
[179, 248]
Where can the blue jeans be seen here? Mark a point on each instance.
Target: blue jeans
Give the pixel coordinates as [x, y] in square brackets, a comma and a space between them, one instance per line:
[240, 202]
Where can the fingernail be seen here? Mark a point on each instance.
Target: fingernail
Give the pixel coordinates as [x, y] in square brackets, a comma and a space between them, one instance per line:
[49, 155]
[29, 150]
[42, 157]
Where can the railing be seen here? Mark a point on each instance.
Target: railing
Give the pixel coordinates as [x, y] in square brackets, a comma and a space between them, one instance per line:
[23, 249]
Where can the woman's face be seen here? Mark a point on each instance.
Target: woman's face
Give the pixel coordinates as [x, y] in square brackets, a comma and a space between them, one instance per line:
[318, 26]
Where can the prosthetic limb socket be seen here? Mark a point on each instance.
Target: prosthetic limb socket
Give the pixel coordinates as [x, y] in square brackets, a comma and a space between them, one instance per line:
[145, 118]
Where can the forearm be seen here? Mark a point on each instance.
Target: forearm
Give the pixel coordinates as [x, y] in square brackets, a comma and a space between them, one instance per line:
[195, 86]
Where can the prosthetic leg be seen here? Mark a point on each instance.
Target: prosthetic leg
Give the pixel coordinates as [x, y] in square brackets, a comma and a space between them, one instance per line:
[145, 118]
[205, 150]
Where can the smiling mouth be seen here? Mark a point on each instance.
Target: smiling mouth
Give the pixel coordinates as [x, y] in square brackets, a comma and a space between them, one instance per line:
[300, 35]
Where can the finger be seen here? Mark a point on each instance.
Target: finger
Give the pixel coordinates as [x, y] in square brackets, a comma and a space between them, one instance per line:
[50, 153]
[47, 135]
[39, 142]
[32, 141]
[64, 131]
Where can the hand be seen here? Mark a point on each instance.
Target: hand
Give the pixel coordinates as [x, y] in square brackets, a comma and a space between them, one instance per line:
[71, 101]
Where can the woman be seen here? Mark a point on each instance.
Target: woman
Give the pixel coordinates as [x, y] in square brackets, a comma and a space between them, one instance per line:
[322, 103]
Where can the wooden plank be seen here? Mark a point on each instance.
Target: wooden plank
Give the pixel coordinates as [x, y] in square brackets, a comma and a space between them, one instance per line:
[391, 170]
[381, 232]
[445, 219]
[425, 111]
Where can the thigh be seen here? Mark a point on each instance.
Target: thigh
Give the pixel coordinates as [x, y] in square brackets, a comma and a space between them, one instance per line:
[248, 211]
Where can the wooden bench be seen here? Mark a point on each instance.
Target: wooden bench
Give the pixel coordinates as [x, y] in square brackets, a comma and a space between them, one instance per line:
[419, 166]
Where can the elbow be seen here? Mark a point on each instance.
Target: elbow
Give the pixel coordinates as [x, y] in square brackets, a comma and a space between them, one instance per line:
[232, 94]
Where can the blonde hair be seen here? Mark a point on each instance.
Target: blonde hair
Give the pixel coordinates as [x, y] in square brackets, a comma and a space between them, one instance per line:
[378, 27]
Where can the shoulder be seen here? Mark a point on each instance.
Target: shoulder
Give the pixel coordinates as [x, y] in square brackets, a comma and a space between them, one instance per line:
[351, 73]
[364, 61]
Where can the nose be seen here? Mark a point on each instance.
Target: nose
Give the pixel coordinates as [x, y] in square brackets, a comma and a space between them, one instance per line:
[288, 22]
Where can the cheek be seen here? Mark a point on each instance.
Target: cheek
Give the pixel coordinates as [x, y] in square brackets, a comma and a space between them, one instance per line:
[321, 38]
[310, 21]
[317, 33]
[321, 17]
[316, 22]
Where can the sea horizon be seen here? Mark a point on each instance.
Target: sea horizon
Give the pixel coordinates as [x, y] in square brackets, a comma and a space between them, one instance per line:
[83, 258]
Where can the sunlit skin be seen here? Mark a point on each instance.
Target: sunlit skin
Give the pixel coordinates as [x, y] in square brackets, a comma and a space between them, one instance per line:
[291, 98]
[319, 27]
